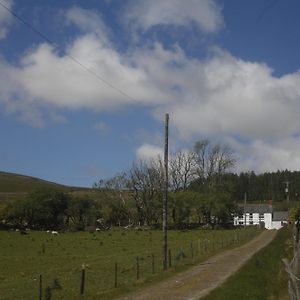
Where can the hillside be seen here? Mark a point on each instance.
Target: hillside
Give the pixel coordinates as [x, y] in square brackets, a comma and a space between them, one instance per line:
[16, 183]
[17, 186]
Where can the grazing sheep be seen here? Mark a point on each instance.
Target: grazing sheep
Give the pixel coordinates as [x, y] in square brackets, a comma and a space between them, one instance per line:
[98, 229]
[54, 233]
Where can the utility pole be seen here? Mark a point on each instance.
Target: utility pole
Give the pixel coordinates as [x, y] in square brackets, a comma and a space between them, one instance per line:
[287, 183]
[245, 200]
[165, 199]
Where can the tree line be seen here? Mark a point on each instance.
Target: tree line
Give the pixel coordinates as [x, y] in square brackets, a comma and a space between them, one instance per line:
[203, 190]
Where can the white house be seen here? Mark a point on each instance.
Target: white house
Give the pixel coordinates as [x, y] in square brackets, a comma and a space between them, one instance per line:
[260, 214]
[279, 219]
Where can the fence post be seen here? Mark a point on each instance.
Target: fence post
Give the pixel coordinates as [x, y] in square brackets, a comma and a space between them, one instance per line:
[40, 288]
[153, 265]
[82, 283]
[137, 268]
[116, 274]
[170, 259]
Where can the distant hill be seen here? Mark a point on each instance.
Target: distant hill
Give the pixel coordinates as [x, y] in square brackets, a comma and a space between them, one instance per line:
[16, 183]
[17, 186]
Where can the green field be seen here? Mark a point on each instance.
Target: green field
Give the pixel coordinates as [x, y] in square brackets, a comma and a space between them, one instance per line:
[59, 258]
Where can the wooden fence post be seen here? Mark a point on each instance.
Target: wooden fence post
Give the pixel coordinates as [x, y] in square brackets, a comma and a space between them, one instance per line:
[153, 264]
[137, 268]
[82, 282]
[40, 288]
[116, 274]
[170, 258]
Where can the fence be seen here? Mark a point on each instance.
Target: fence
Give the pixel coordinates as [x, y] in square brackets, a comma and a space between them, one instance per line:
[120, 274]
[293, 267]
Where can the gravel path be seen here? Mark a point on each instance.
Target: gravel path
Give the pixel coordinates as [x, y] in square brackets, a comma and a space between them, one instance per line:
[203, 278]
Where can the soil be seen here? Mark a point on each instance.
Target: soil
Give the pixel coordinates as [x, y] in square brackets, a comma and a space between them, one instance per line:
[198, 281]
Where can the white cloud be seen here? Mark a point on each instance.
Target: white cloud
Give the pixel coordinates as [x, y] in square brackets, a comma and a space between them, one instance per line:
[144, 14]
[89, 21]
[5, 18]
[148, 151]
[222, 96]
[263, 156]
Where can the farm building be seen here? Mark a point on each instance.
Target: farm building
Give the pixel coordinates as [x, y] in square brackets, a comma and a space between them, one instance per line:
[260, 214]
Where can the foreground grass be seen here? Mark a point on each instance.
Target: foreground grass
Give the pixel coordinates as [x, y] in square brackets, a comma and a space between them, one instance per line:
[59, 258]
[263, 277]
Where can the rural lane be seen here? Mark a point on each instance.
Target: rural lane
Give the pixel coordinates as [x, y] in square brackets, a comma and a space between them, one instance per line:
[198, 281]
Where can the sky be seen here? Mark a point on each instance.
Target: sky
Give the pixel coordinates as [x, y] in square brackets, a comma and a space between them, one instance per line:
[85, 84]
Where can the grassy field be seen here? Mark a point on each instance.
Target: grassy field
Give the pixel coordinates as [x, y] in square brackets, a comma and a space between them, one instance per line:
[59, 258]
[263, 277]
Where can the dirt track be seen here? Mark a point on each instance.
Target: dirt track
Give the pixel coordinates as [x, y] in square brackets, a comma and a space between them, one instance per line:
[203, 278]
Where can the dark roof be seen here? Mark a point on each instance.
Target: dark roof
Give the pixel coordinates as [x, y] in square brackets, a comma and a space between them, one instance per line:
[256, 208]
[280, 216]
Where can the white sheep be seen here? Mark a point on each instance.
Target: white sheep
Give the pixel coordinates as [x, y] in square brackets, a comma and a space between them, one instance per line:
[54, 233]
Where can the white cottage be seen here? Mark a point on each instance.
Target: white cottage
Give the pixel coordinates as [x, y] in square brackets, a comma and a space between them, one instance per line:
[260, 214]
[254, 214]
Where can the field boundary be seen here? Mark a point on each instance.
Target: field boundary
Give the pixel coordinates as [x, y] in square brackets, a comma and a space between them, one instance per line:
[200, 280]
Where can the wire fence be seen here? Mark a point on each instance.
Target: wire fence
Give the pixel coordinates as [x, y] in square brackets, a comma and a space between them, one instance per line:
[99, 278]
[119, 274]
[293, 267]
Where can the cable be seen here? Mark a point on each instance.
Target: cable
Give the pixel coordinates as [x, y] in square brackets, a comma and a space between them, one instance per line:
[74, 59]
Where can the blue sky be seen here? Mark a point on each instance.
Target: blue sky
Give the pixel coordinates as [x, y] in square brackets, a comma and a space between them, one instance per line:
[224, 70]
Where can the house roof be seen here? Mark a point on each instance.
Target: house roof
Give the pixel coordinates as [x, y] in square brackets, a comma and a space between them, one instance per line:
[256, 208]
[280, 216]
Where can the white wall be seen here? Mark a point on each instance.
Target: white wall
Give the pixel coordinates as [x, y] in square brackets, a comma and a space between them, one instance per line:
[254, 220]
[278, 224]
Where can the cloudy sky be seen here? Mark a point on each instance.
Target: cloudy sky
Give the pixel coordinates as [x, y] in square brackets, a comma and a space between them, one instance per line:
[84, 87]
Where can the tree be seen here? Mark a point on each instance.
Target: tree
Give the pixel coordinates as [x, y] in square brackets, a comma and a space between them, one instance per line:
[213, 161]
[145, 185]
[80, 212]
[40, 210]
[182, 170]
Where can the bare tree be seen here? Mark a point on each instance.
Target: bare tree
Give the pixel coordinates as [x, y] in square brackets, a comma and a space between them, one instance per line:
[115, 186]
[213, 160]
[146, 186]
[183, 170]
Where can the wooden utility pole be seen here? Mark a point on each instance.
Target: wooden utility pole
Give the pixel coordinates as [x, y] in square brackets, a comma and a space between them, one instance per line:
[245, 201]
[287, 183]
[165, 199]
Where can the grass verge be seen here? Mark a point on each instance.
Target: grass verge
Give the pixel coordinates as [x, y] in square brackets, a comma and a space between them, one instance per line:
[263, 277]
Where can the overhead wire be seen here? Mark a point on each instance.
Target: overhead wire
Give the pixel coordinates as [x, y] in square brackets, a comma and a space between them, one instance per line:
[71, 57]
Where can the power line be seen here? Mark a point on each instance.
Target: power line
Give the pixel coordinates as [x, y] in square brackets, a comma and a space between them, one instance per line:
[74, 59]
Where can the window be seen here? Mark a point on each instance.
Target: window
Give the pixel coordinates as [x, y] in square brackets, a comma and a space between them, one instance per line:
[250, 215]
[241, 222]
[261, 216]
[251, 222]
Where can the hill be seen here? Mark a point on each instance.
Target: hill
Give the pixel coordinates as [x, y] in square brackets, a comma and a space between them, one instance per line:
[17, 183]
[17, 186]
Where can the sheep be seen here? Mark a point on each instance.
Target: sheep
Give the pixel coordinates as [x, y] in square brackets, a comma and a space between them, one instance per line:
[98, 229]
[54, 232]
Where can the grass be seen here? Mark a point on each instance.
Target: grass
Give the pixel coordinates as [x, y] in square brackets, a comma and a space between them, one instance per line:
[59, 258]
[263, 277]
